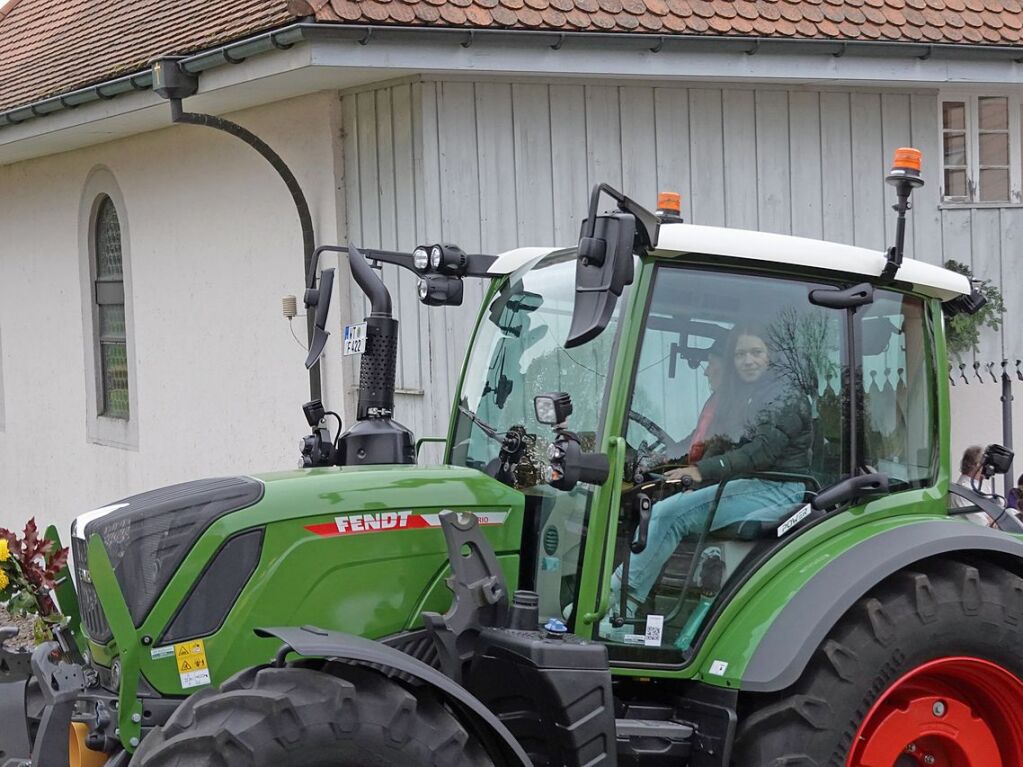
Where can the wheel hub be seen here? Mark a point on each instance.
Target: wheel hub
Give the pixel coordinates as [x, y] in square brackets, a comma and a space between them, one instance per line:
[951, 712]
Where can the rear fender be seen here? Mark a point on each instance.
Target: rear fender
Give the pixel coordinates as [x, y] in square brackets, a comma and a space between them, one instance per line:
[311, 642]
[785, 649]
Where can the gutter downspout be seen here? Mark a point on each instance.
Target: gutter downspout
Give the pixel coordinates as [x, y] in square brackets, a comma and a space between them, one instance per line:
[173, 84]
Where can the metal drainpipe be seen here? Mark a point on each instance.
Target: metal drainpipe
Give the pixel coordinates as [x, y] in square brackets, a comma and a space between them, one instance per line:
[178, 115]
[1010, 481]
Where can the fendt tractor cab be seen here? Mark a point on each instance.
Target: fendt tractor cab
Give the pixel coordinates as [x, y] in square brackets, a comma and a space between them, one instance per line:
[694, 510]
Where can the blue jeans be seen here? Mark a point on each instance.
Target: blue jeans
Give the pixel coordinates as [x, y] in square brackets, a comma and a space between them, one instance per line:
[685, 514]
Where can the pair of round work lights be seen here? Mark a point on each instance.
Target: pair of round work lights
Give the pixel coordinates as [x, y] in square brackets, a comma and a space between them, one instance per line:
[441, 268]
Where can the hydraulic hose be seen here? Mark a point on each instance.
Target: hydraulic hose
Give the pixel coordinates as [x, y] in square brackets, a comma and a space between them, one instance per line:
[305, 219]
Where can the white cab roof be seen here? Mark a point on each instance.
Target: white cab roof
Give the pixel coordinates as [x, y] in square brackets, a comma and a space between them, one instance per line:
[680, 239]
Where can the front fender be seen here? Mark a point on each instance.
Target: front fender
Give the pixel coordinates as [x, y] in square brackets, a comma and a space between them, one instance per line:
[312, 642]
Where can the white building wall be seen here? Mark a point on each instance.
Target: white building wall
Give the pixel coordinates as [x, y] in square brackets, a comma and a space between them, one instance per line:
[215, 243]
[498, 164]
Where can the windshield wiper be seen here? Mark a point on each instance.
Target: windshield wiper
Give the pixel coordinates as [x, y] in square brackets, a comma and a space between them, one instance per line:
[485, 427]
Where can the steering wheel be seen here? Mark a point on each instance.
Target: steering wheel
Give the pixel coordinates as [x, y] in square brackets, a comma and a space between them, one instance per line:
[663, 438]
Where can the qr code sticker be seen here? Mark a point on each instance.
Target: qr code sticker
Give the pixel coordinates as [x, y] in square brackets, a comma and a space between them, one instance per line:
[654, 630]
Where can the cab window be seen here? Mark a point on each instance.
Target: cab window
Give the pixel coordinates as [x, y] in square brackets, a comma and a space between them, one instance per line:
[736, 419]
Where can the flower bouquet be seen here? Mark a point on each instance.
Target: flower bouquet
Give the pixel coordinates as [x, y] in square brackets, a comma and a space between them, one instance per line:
[29, 566]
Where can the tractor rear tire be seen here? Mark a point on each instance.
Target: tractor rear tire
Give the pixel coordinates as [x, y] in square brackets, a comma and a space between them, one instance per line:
[305, 717]
[935, 646]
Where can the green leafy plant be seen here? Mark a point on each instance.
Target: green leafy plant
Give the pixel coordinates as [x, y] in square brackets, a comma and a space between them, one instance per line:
[29, 566]
[962, 332]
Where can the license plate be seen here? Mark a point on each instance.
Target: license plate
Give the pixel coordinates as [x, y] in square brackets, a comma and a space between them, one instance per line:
[354, 339]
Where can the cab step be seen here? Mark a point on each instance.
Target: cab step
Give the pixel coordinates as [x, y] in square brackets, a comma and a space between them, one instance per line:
[652, 742]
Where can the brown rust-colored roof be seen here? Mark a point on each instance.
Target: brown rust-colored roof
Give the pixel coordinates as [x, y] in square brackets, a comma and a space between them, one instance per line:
[48, 47]
[54, 46]
[991, 22]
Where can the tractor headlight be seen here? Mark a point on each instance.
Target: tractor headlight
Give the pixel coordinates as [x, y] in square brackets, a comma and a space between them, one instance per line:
[420, 258]
[552, 408]
[438, 290]
[436, 256]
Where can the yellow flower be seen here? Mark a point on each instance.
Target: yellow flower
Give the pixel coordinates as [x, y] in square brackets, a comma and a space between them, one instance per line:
[3, 579]
[5, 551]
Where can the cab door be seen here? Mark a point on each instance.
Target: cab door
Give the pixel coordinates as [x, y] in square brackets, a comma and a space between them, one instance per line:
[735, 414]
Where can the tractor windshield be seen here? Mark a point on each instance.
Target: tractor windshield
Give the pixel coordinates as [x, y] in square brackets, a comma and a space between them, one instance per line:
[519, 353]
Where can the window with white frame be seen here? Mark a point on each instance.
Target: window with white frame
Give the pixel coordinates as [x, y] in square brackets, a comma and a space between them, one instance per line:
[112, 403]
[980, 140]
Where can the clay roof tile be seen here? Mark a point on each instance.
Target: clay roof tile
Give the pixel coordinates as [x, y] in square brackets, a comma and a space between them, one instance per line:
[992, 19]
[428, 13]
[972, 34]
[696, 24]
[650, 22]
[578, 19]
[452, 14]
[785, 27]
[972, 19]
[676, 23]
[702, 8]
[720, 24]
[828, 28]
[790, 12]
[806, 28]
[870, 31]
[478, 16]
[742, 26]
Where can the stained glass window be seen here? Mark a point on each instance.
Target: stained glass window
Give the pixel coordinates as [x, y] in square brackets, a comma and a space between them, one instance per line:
[109, 299]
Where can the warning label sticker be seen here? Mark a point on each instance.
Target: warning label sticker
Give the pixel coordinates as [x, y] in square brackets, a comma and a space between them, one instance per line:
[192, 666]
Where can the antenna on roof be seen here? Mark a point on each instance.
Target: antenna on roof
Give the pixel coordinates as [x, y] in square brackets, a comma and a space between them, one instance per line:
[905, 177]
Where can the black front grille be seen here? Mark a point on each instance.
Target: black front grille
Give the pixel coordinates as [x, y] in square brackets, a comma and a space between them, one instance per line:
[88, 602]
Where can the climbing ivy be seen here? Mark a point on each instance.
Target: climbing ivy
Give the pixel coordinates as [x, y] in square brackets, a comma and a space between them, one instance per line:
[962, 332]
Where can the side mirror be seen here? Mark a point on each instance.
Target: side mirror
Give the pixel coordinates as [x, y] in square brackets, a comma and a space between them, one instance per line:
[319, 298]
[607, 244]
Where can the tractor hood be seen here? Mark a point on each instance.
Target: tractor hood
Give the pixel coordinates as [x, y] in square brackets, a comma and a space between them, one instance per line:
[167, 540]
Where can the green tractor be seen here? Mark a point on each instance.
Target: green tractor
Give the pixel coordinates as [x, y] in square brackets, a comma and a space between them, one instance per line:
[694, 511]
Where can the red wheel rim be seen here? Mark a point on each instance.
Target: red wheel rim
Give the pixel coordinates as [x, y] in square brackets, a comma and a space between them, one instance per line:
[951, 712]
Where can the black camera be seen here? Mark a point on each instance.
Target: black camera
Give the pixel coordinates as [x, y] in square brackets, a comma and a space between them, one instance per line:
[318, 448]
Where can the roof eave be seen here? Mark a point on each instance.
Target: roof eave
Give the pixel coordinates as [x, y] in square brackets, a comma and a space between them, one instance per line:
[286, 37]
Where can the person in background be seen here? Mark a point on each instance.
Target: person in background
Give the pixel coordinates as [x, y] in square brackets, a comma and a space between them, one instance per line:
[1012, 501]
[970, 468]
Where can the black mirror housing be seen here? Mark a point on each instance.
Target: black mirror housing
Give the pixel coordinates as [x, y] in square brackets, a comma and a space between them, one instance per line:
[607, 244]
[604, 268]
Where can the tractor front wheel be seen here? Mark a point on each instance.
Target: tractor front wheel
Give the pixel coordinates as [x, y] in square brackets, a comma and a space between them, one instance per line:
[926, 670]
[305, 717]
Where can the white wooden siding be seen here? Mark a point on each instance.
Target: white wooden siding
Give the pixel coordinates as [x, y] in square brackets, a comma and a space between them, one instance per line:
[495, 165]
